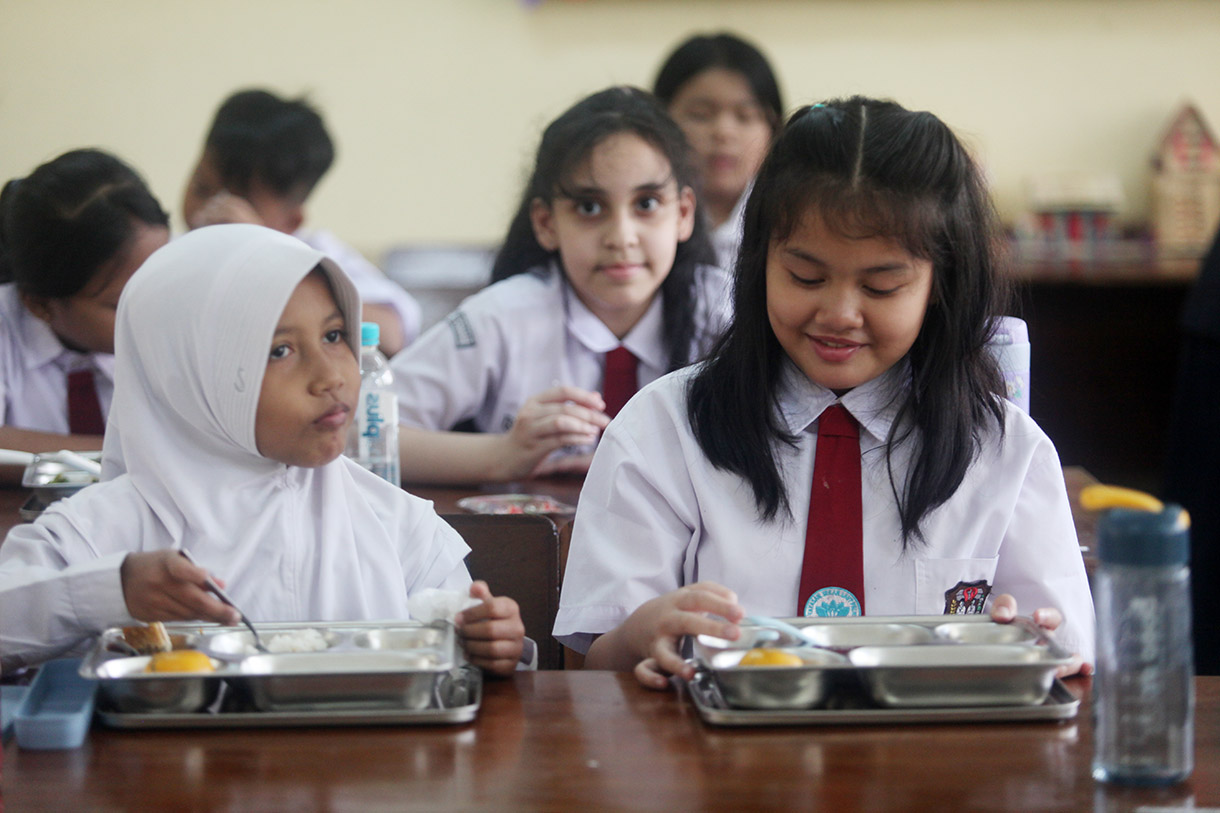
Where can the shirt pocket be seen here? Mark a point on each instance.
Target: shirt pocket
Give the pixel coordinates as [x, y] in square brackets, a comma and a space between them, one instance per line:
[939, 581]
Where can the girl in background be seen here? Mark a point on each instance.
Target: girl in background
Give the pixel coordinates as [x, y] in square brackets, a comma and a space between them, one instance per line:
[863, 301]
[71, 234]
[602, 285]
[722, 92]
[236, 380]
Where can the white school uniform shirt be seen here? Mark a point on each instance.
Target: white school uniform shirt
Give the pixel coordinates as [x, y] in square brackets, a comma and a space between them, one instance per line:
[181, 469]
[34, 367]
[525, 334]
[655, 515]
[726, 238]
[374, 286]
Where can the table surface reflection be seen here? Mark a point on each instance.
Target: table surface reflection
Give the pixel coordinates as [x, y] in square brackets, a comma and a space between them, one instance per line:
[562, 740]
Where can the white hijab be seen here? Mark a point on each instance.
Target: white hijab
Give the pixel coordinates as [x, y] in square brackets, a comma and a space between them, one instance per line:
[195, 326]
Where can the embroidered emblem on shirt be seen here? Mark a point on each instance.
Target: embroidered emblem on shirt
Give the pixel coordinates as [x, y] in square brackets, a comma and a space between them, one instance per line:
[463, 333]
[967, 598]
[832, 602]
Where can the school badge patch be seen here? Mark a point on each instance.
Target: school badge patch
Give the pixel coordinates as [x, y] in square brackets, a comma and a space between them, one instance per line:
[832, 602]
[463, 333]
[967, 598]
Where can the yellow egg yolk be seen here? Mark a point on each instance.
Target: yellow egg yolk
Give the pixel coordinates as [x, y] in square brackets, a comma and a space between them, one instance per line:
[770, 657]
[184, 660]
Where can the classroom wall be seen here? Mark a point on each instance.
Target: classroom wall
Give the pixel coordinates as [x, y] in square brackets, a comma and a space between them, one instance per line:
[436, 105]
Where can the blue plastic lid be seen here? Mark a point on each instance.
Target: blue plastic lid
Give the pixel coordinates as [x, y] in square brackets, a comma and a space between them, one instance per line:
[370, 334]
[1126, 536]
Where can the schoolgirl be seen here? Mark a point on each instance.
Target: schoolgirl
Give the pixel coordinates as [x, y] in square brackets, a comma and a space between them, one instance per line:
[71, 235]
[847, 449]
[235, 386]
[602, 285]
[722, 92]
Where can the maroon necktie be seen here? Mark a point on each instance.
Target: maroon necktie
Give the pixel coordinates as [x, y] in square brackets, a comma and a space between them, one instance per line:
[620, 383]
[832, 573]
[84, 410]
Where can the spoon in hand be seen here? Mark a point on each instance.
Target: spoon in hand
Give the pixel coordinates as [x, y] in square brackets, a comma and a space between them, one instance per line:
[223, 596]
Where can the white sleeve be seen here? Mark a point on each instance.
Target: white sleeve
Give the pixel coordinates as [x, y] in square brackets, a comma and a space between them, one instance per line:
[1040, 562]
[633, 532]
[49, 605]
[446, 376]
[433, 553]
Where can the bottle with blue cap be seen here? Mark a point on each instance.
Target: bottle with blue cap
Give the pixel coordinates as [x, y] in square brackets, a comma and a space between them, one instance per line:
[373, 441]
[1143, 692]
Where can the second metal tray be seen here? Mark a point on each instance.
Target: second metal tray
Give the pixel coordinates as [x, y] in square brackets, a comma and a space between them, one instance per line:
[1060, 704]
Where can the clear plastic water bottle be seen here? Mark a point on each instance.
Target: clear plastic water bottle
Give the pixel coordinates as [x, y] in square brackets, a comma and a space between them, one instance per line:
[373, 440]
[1143, 693]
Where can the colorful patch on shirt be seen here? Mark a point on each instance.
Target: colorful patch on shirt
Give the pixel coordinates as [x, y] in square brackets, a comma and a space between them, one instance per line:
[967, 598]
[832, 602]
[463, 333]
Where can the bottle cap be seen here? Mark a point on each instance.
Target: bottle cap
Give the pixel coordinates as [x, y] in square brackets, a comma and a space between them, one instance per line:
[1127, 536]
[370, 334]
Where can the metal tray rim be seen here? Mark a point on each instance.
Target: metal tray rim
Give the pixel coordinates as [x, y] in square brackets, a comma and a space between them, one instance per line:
[1060, 704]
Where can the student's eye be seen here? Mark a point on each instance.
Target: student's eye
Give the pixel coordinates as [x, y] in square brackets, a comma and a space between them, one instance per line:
[279, 351]
[749, 115]
[806, 282]
[335, 336]
[649, 204]
[875, 291]
[588, 208]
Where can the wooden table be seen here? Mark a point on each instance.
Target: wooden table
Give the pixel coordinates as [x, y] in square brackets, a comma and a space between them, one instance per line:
[598, 741]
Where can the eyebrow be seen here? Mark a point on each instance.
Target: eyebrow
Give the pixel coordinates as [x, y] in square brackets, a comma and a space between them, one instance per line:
[595, 191]
[801, 254]
[335, 314]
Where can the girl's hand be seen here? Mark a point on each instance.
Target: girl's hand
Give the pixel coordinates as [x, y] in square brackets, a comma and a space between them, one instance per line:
[655, 631]
[492, 632]
[163, 586]
[225, 207]
[552, 419]
[1004, 610]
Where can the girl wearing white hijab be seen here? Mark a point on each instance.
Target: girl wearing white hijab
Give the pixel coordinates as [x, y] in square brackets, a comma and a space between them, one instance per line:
[235, 382]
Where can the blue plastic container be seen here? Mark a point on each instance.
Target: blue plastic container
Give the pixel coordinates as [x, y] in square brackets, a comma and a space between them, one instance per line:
[57, 709]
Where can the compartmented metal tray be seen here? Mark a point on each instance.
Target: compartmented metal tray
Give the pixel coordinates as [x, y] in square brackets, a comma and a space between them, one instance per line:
[1060, 704]
[883, 669]
[365, 673]
[51, 479]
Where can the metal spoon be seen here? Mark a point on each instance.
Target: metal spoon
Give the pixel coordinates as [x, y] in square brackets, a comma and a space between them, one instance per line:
[776, 624]
[223, 596]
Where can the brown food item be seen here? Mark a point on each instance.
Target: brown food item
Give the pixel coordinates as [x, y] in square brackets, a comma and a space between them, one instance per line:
[147, 639]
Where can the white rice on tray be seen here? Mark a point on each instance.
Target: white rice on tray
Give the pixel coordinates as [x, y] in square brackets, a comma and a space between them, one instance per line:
[306, 640]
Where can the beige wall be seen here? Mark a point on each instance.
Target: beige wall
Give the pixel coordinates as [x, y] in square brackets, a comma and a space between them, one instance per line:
[437, 104]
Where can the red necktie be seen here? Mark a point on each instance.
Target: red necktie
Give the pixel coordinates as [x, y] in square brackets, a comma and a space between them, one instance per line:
[832, 573]
[620, 383]
[84, 411]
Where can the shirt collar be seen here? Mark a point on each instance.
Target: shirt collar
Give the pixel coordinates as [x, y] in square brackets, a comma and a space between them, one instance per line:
[873, 404]
[645, 340]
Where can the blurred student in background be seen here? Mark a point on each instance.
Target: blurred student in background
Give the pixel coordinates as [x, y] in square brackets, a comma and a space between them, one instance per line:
[262, 157]
[71, 234]
[722, 92]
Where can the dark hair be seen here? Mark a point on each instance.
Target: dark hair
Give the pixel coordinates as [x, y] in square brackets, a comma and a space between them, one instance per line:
[569, 141]
[724, 50]
[69, 217]
[282, 143]
[868, 168]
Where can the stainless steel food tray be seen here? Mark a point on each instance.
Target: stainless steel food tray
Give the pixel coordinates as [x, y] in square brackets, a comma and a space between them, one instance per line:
[460, 705]
[387, 672]
[1059, 705]
[888, 667]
